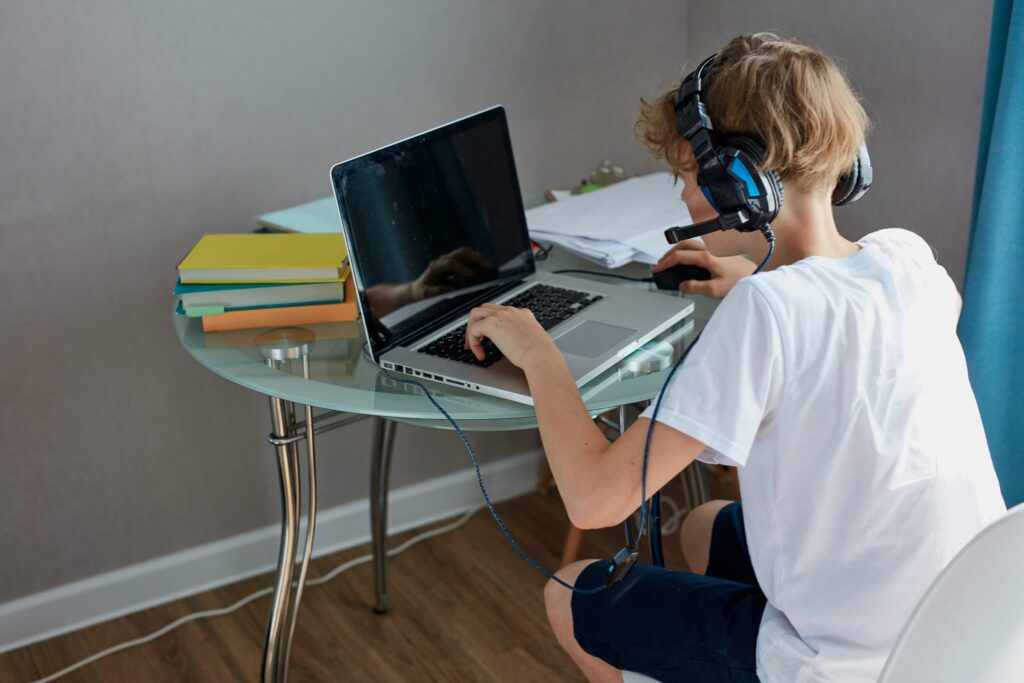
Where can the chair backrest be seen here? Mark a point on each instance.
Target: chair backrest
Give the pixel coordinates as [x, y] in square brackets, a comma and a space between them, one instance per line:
[969, 626]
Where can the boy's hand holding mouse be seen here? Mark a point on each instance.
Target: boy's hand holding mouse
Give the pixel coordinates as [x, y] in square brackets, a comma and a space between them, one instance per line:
[725, 271]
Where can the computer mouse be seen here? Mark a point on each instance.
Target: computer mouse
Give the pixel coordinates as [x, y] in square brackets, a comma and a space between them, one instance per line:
[671, 277]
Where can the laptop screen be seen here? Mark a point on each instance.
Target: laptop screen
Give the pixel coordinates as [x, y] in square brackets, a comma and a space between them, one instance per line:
[433, 223]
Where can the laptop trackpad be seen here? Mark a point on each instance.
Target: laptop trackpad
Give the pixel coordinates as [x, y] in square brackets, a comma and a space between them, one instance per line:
[590, 339]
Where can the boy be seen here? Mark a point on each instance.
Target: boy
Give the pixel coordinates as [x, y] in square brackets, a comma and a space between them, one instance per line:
[834, 380]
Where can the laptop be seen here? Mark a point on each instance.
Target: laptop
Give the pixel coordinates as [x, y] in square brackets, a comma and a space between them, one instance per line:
[434, 226]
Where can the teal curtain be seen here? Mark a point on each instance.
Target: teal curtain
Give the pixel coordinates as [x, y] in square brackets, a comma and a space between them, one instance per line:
[992, 322]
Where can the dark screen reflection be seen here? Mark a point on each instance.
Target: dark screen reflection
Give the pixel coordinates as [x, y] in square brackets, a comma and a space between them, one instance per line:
[434, 222]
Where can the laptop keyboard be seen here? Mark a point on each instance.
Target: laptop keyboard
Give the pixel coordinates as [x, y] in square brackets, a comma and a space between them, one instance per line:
[550, 305]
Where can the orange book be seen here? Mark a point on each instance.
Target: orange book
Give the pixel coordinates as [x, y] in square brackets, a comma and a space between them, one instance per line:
[282, 316]
[322, 332]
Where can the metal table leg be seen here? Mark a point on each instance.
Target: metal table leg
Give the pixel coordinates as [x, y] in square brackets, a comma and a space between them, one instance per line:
[383, 446]
[273, 666]
[284, 607]
[307, 551]
[695, 486]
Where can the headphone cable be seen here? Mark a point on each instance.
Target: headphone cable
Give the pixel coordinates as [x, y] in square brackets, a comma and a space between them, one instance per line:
[597, 272]
[641, 527]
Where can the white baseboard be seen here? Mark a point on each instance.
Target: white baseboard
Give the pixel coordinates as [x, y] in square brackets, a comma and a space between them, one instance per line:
[130, 589]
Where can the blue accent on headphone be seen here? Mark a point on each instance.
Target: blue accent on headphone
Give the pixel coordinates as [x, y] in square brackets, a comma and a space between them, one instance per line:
[740, 171]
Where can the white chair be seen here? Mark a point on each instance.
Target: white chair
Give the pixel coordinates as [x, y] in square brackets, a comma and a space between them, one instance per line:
[969, 626]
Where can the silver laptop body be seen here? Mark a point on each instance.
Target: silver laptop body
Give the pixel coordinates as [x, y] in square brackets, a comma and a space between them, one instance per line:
[434, 226]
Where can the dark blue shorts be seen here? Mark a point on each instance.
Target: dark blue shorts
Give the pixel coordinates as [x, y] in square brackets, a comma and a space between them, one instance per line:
[678, 626]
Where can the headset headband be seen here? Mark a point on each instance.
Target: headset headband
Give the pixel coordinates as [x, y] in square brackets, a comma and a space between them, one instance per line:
[692, 120]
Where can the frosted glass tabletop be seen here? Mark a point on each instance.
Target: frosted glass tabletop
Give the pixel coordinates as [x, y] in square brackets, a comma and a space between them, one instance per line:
[342, 377]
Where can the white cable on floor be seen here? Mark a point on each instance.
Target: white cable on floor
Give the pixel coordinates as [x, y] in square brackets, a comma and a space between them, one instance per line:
[258, 594]
[671, 523]
[668, 527]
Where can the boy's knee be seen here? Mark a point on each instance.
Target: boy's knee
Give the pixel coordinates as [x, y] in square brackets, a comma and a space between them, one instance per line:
[695, 534]
[558, 598]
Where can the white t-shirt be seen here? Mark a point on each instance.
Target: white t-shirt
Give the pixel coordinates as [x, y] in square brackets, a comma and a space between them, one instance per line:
[839, 388]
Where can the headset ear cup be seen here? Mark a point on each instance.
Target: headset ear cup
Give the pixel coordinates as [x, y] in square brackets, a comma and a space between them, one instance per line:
[846, 185]
[768, 180]
[753, 150]
[853, 185]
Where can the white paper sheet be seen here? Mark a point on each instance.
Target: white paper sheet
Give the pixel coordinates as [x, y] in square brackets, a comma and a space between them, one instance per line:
[615, 225]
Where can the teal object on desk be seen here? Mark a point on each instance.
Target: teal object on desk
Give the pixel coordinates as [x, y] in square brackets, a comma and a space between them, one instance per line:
[317, 216]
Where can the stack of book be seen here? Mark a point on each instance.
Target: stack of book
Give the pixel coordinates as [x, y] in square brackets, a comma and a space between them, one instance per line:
[246, 281]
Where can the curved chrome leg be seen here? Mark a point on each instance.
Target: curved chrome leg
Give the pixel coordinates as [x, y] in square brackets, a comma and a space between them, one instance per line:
[695, 485]
[307, 551]
[380, 472]
[703, 492]
[278, 616]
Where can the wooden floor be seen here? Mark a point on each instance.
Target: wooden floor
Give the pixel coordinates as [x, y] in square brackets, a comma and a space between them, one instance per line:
[465, 607]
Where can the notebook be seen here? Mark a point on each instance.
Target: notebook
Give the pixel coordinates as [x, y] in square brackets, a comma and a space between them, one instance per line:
[254, 258]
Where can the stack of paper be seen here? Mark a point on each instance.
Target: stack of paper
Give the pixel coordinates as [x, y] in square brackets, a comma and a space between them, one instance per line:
[621, 223]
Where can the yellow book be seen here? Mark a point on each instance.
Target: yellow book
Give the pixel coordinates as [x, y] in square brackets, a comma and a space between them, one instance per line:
[258, 257]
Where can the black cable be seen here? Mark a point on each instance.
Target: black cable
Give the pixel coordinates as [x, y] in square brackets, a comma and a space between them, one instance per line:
[597, 272]
[654, 537]
[487, 499]
[644, 505]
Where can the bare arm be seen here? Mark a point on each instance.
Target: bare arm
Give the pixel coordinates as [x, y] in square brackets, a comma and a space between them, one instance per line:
[599, 481]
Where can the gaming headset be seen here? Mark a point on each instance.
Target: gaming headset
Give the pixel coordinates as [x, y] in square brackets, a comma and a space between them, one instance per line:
[746, 198]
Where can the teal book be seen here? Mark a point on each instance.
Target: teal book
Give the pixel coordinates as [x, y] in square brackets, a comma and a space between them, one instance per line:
[199, 311]
[229, 297]
[318, 216]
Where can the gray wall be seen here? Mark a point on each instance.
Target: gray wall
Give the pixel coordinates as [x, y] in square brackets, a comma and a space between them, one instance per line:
[920, 68]
[129, 129]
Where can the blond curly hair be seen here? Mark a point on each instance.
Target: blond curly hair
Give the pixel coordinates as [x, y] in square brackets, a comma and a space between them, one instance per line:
[789, 97]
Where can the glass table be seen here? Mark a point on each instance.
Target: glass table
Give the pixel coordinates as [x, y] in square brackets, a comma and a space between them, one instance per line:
[325, 367]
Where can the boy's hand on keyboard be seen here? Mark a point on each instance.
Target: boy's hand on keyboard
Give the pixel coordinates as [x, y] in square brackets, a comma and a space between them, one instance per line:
[515, 331]
[725, 271]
